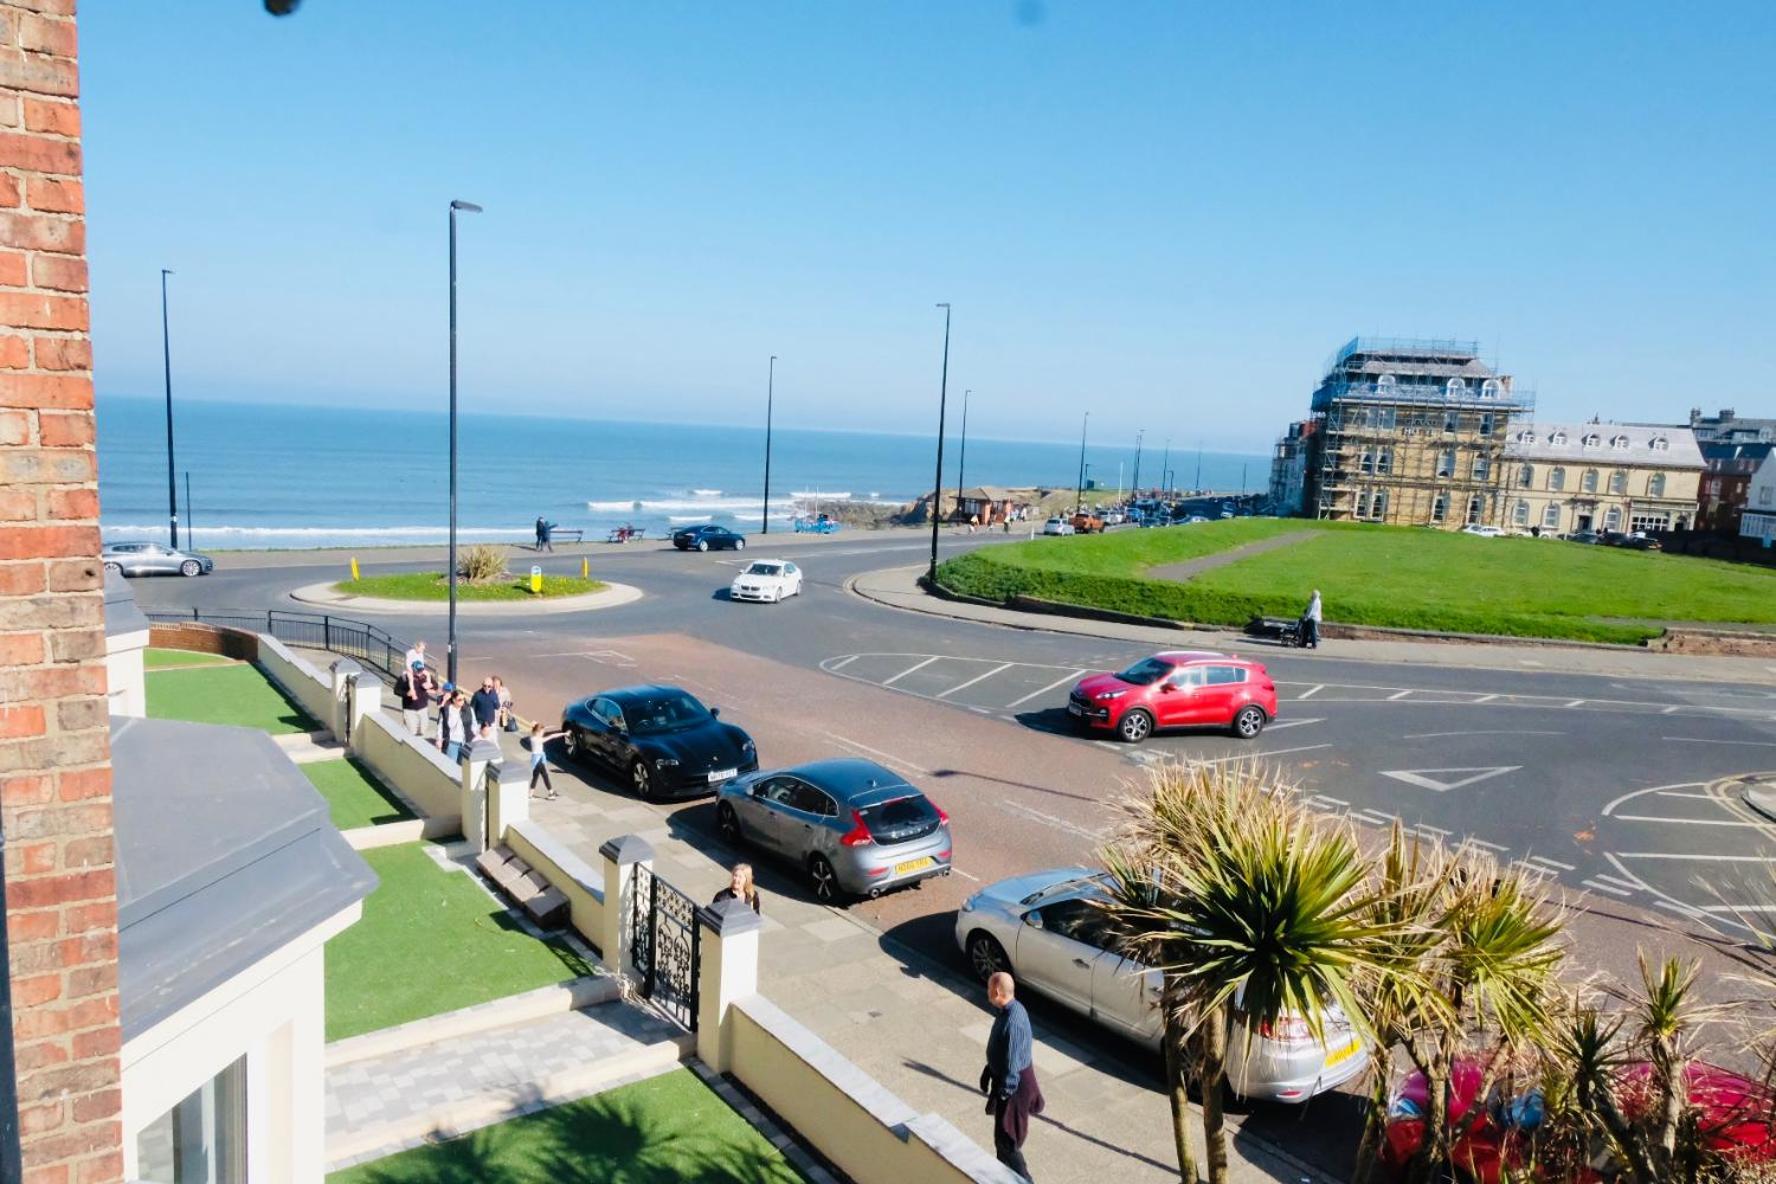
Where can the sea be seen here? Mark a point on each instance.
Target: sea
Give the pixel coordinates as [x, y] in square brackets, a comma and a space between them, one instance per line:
[268, 476]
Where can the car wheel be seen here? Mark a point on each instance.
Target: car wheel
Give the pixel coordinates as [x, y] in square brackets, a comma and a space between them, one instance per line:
[826, 880]
[571, 744]
[986, 957]
[1136, 726]
[190, 567]
[739, 544]
[642, 780]
[702, 544]
[1248, 722]
[728, 823]
[114, 569]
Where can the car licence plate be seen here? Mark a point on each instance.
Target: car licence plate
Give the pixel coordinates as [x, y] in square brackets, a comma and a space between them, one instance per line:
[913, 865]
[722, 775]
[1075, 709]
[1340, 1055]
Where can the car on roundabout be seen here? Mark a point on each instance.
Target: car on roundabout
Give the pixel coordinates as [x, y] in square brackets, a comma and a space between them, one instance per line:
[708, 538]
[854, 827]
[1058, 526]
[767, 581]
[1049, 931]
[153, 559]
[659, 739]
[1176, 689]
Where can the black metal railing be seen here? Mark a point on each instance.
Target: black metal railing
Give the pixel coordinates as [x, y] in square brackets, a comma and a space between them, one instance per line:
[316, 631]
[664, 945]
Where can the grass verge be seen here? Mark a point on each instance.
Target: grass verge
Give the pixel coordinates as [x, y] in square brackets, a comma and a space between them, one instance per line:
[236, 694]
[431, 941]
[431, 585]
[669, 1129]
[155, 658]
[1394, 577]
[354, 796]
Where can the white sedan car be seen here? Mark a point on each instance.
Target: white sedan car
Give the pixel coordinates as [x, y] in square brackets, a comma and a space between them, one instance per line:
[767, 580]
[1057, 526]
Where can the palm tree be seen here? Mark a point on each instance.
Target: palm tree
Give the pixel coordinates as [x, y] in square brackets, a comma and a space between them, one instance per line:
[1220, 881]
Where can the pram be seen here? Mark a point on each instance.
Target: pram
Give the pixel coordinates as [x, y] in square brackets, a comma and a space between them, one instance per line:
[1278, 629]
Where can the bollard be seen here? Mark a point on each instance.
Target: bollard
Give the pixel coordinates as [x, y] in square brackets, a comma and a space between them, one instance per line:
[585, 569]
[354, 569]
[536, 579]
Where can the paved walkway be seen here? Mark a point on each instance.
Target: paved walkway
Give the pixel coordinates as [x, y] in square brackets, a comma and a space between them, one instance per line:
[899, 588]
[1202, 563]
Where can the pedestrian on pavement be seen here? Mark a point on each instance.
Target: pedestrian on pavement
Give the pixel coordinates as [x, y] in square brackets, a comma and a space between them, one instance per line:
[453, 717]
[1310, 622]
[485, 704]
[546, 530]
[1009, 1080]
[740, 887]
[414, 687]
[506, 720]
[539, 764]
[415, 653]
[539, 532]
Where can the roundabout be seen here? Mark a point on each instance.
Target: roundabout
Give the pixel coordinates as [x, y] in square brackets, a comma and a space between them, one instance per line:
[328, 596]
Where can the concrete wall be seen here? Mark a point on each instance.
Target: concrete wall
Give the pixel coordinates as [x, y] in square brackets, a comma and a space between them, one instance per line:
[867, 1132]
[123, 673]
[298, 677]
[554, 861]
[416, 769]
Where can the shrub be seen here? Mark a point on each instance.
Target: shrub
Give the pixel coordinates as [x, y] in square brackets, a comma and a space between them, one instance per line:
[482, 564]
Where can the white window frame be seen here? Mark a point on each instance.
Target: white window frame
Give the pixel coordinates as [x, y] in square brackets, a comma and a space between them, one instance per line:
[1618, 481]
[1557, 478]
[1588, 481]
[1656, 485]
[1551, 516]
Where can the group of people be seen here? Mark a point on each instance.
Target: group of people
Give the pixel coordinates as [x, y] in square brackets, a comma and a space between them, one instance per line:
[545, 534]
[465, 716]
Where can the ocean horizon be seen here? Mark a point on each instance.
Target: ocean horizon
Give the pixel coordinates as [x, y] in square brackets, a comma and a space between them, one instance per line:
[280, 475]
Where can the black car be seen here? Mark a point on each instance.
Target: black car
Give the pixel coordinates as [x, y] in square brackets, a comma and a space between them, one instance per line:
[708, 538]
[661, 739]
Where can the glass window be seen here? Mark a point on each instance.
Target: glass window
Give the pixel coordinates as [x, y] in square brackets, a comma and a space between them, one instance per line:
[779, 791]
[806, 798]
[1446, 463]
[1557, 438]
[1520, 515]
[1456, 386]
[1476, 507]
[1451, 421]
[1482, 468]
[1526, 437]
[1386, 382]
[1384, 461]
[1591, 440]
[1526, 476]
[670, 711]
[1222, 675]
[1439, 507]
[1557, 478]
[1613, 519]
[1551, 516]
[1618, 482]
[1486, 424]
[1188, 676]
[1660, 444]
[1656, 485]
[1146, 672]
[1078, 920]
[1362, 503]
[202, 1140]
[1619, 442]
[1384, 417]
[1589, 483]
[1379, 507]
[1490, 388]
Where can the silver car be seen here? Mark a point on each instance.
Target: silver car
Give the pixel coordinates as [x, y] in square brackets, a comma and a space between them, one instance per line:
[154, 559]
[856, 828]
[1045, 929]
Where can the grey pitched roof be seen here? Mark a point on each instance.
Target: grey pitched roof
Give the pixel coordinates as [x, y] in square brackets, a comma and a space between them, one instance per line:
[225, 853]
[1536, 441]
[121, 613]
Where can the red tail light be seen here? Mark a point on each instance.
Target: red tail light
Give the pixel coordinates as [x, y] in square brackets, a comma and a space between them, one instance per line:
[858, 835]
[1290, 1029]
[943, 817]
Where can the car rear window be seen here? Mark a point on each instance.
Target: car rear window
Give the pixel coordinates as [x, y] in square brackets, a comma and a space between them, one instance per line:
[901, 819]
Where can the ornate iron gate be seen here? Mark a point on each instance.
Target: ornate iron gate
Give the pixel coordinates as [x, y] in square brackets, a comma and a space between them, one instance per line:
[663, 939]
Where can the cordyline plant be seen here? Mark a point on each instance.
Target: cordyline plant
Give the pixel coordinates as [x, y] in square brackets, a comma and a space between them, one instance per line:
[1223, 884]
[482, 564]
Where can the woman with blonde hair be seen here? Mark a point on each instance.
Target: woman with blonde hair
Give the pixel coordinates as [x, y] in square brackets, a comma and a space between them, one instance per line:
[740, 887]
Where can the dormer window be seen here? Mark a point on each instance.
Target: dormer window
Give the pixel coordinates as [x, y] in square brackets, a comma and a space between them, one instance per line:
[1619, 442]
[1558, 439]
[1592, 440]
[1489, 389]
[1386, 382]
[1526, 437]
[1456, 387]
[1661, 444]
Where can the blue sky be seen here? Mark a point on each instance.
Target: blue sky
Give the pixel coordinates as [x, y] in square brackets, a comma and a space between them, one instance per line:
[1169, 213]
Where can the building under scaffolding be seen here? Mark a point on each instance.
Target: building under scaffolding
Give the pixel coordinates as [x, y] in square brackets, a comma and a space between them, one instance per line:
[1411, 432]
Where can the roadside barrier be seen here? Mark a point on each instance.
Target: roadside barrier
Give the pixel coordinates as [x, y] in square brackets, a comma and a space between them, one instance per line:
[319, 631]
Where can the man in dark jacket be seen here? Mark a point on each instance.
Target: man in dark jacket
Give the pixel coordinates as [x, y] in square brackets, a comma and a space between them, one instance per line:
[1009, 1080]
[416, 690]
[485, 704]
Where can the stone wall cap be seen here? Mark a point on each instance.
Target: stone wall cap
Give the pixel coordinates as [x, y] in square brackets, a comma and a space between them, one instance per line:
[626, 849]
[730, 918]
[344, 666]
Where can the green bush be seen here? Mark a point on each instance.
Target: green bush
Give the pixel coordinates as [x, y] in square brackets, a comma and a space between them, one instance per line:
[482, 564]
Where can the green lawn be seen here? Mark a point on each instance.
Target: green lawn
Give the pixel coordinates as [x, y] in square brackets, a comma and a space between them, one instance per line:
[1389, 576]
[154, 658]
[431, 585]
[236, 694]
[670, 1129]
[431, 941]
[354, 796]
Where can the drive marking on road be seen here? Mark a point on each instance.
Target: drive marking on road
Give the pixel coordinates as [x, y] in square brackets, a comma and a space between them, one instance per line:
[1669, 711]
[1686, 821]
[1700, 740]
[1050, 820]
[1486, 698]
[1706, 858]
[910, 669]
[1576, 703]
[977, 678]
[842, 662]
[1310, 692]
[1065, 678]
[1397, 696]
[1679, 793]
[1606, 878]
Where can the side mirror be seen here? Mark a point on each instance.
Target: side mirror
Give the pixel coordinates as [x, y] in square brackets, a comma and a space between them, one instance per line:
[1166, 688]
[715, 713]
[1033, 918]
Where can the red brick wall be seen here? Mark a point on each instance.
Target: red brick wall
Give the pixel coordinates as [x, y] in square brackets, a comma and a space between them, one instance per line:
[55, 776]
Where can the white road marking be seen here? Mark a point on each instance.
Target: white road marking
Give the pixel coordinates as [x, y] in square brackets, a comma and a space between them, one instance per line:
[1686, 821]
[1375, 816]
[977, 678]
[1679, 793]
[1705, 858]
[886, 758]
[1326, 797]
[1681, 909]
[843, 662]
[1423, 779]
[1670, 710]
[1435, 830]
[1310, 692]
[1484, 843]
[1485, 698]
[1049, 820]
[1397, 695]
[1699, 740]
[1595, 886]
[1739, 908]
[1065, 678]
[1565, 867]
[964, 875]
[1292, 723]
[910, 669]
[1576, 703]
[1252, 756]
[1611, 808]
[1533, 869]
[1481, 732]
[1606, 878]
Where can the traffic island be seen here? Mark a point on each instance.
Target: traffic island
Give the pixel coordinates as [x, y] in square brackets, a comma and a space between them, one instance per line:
[472, 599]
[1760, 794]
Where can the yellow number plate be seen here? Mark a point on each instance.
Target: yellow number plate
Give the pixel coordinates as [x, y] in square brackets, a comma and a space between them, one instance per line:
[1341, 1055]
[913, 865]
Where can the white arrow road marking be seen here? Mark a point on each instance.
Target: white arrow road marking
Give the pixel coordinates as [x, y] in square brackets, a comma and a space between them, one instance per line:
[1424, 780]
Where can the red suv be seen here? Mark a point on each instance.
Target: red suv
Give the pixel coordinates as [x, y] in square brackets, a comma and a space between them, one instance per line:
[1177, 689]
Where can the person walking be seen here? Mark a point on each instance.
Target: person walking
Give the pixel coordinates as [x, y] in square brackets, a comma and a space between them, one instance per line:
[546, 530]
[415, 690]
[539, 532]
[453, 719]
[740, 887]
[1009, 1080]
[539, 764]
[1310, 622]
[506, 721]
[485, 704]
[415, 653]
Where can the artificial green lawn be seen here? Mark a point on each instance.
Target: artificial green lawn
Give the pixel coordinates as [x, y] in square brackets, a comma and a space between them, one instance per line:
[155, 658]
[236, 694]
[1397, 577]
[670, 1129]
[354, 796]
[431, 941]
[431, 585]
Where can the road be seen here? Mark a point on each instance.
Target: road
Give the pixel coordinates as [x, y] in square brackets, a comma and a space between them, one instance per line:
[1616, 791]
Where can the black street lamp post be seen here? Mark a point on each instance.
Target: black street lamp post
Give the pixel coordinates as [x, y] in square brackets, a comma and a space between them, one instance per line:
[770, 398]
[450, 643]
[943, 389]
[1079, 490]
[962, 460]
[1165, 472]
[166, 357]
[1135, 482]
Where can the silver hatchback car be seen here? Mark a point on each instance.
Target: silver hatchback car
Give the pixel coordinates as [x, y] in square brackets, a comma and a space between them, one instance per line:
[1046, 931]
[856, 828]
[154, 559]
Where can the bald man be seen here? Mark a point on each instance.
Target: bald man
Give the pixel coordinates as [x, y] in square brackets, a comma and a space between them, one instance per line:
[1009, 1080]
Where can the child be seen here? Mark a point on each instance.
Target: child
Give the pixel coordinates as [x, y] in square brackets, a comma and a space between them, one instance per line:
[539, 766]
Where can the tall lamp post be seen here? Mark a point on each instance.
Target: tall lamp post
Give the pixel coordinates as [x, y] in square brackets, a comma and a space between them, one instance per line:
[1135, 482]
[943, 389]
[467, 207]
[1079, 490]
[1165, 472]
[770, 398]
[166, 357]
[962, 460]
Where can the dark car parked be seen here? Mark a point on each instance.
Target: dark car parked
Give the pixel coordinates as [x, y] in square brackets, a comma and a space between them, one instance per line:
[708, 538]
[660, 739]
